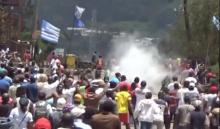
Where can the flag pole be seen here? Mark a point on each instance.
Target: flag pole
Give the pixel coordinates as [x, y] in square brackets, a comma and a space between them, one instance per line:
[35, 35]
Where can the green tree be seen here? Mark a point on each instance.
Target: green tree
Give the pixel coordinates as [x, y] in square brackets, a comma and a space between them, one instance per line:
[204, 35]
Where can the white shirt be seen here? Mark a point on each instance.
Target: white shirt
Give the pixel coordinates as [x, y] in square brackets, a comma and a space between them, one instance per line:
[145, 110]
[20, 119]
[68, 94]
[48, 89]
[180, 94]
[171, 85]
[140, 94]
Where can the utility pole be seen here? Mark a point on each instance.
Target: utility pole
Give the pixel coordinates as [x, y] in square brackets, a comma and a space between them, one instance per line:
[35, 32]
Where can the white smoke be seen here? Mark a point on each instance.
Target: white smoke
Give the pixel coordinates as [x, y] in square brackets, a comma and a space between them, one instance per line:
[138, 58]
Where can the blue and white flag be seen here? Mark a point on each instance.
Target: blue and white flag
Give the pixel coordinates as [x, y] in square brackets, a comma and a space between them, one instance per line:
[216, 22]
[79, 11]
[49, 32]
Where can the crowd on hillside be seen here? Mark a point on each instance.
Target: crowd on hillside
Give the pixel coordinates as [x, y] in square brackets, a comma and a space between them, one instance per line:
[33, 98]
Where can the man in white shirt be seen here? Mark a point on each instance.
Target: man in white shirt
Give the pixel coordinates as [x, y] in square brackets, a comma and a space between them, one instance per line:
[140, 92]
[191, 78]
[22, 117]
[171, 85]
[68, 90]
[181, 92]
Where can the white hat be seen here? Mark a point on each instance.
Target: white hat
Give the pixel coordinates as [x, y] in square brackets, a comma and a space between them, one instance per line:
[78, 111]
[61, 102]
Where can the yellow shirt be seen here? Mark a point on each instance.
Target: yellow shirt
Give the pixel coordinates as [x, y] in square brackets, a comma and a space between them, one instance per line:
[122, 99]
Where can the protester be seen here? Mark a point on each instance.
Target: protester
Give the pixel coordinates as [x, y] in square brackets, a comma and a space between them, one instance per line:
[123, 99]
[181, 92]
[145, 111]
[57, 98]
[162, 107]
[57, 113]
[106, 119]
[171, 85]
[5, 107]
[141, 91]
[67, 121]
[197, 119]
[182, 112]
[41, 108]
[23, 119]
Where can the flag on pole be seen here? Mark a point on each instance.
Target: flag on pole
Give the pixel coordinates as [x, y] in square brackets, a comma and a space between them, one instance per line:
[216, 22]
[49, 32]
[79, 11]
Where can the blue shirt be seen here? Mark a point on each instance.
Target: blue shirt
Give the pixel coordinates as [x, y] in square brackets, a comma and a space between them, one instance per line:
[4, 85]
[32, 92]
[115, 79]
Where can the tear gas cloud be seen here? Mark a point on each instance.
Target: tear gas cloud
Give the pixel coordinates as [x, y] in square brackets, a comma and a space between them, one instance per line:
[138, 58]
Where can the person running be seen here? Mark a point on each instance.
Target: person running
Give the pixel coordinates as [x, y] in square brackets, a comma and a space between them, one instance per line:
[145, 111]
[123, 100]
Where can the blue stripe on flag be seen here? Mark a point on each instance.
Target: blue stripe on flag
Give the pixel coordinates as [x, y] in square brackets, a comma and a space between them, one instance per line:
[79, 24]
[49, 32]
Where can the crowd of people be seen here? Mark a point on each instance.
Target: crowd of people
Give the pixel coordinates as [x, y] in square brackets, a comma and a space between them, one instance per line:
[31, 98]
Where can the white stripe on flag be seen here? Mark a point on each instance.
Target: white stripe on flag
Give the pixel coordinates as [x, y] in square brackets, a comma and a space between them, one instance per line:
[216, 22]
[49, 32]
[79, 11]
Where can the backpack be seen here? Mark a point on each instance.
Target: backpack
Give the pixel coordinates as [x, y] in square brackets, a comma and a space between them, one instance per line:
[42, 123]
[41, 109]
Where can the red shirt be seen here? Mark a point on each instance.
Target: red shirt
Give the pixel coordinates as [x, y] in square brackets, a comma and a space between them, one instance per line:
[173, 101]
[125, 83]
[10, 101]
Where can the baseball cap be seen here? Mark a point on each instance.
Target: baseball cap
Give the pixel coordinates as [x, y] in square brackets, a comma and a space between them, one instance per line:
[42, 123]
